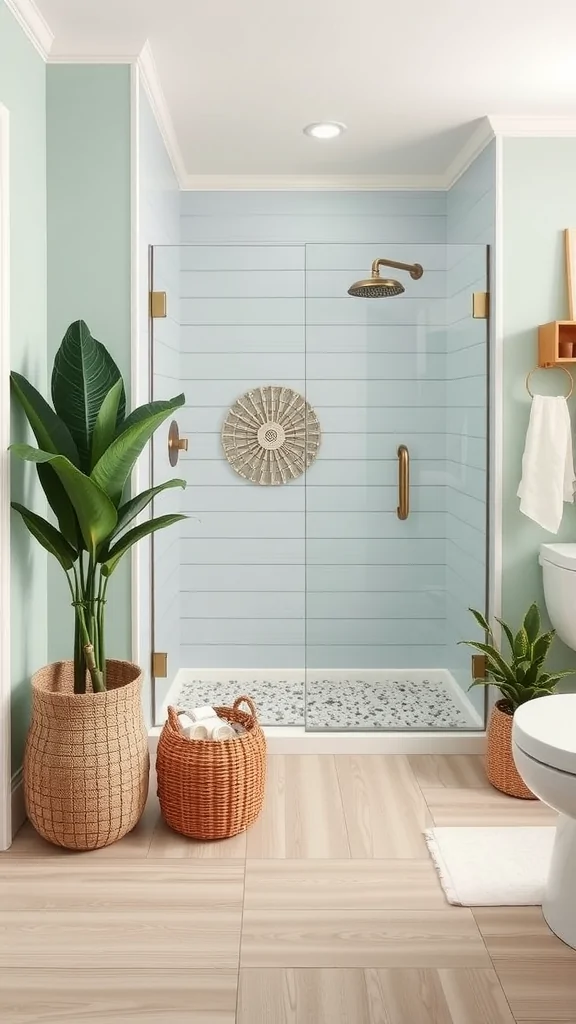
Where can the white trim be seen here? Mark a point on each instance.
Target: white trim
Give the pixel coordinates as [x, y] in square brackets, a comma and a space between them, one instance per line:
[297, 182]
[153, 88]
[5, 669]
[552, 127]
[471, 149]
[135, 354]
[33, 25]
[17, 802]
[497, 391]
[93, 58]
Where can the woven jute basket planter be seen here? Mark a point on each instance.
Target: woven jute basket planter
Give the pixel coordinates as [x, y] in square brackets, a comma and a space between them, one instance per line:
[500, 767]
[86, 763]
[212, 789]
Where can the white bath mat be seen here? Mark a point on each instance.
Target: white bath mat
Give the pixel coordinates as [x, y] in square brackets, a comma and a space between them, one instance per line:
[492, 867]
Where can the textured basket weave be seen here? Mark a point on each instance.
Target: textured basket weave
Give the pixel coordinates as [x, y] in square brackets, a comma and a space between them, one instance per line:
[212, 789]
[86, 763]
[500, 767]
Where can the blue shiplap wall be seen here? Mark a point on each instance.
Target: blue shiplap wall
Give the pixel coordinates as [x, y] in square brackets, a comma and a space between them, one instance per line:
[471, 227]
[319, 572]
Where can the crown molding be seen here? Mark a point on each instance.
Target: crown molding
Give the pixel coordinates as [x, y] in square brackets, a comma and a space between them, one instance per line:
[33, 25]
[92, 58]
[480, 138]
[310, 182]
[153, 88]
[550, 127]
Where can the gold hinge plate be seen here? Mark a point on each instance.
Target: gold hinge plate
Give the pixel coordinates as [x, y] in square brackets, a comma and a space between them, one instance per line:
[479, 668]
[481, 305]
[159, 664]
[157, 305]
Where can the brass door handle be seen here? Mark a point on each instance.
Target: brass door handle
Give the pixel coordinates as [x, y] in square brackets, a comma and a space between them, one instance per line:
[403, 510]
[176, 444]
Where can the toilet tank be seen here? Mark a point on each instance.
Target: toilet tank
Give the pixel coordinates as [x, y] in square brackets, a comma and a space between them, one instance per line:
[558, 563]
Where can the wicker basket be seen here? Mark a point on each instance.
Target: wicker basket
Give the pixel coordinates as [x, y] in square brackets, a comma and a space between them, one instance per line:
[86, 763]
[500, 767]
[212, 789]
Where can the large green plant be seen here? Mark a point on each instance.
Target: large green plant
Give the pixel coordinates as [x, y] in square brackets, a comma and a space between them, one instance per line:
[87, 448]
[521, 677]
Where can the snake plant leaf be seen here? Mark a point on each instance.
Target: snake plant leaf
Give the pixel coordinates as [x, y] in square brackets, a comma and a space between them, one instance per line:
[521, 647]
[48, 536]
[541, 646]
[481, 620]
[50, 431]
[494, 657]
[114, 467]
[60, 504]
[133, 536]
[130, 509]
[106, 421]
[96, 513]
[508, 632]
[532, 622]
[83, 374]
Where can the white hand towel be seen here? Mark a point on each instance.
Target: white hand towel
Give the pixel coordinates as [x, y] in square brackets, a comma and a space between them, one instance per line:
[199, 714]
[219, 730]
[193, 730]
[548, 463]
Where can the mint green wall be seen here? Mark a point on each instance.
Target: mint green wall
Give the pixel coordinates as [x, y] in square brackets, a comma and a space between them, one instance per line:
[22, 91]
[89, 252]
[538, 201]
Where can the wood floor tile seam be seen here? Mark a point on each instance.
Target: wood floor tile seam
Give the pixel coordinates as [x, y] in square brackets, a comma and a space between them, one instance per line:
[240, 940]
[343, 806]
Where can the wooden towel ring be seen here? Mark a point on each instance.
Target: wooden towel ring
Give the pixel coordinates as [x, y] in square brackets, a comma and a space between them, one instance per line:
[563, 368]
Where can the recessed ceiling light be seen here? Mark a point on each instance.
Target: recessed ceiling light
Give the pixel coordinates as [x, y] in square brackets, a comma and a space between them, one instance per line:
[324, 129]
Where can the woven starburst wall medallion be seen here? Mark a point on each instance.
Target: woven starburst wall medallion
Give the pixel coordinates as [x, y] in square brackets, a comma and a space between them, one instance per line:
[271, 435]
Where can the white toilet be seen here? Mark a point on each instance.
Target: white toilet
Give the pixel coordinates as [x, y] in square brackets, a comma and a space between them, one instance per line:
[544, 746]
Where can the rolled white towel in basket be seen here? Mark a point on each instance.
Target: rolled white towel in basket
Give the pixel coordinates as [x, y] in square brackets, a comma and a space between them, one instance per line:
[219, 729]
[209, 728]
[200, 714]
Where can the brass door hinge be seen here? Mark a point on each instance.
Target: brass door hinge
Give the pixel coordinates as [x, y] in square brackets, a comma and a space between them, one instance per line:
[479, 667]
[481, 305]
[157, 305]
[159, 664]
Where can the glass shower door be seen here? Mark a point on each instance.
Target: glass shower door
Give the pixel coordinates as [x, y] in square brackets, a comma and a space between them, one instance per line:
[400, 387]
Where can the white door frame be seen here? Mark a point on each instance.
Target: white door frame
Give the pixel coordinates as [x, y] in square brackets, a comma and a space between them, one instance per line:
[5, 674]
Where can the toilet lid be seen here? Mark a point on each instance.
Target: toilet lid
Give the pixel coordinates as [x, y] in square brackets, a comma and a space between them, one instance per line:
[545, 729]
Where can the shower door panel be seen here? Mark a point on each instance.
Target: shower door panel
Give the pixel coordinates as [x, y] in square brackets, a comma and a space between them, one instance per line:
[385, 597]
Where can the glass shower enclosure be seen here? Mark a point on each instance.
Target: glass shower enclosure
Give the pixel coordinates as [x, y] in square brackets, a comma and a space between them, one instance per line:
[336, 484]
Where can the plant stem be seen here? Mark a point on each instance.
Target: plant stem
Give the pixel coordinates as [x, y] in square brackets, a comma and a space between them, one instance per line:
[101, 606]
[79, 661]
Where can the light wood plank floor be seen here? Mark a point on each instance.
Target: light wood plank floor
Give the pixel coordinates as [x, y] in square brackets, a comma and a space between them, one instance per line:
[327, 912]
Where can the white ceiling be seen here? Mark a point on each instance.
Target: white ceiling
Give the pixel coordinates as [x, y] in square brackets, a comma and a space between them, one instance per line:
[411, 80]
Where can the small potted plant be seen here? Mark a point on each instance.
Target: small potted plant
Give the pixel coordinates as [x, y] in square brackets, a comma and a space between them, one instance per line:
[520, 678]
[86, 764]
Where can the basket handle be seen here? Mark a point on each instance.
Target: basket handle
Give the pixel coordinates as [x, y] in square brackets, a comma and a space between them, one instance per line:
[249, 702]
[173, 720]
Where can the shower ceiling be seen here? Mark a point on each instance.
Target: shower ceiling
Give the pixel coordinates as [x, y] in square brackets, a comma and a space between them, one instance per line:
[410, 81]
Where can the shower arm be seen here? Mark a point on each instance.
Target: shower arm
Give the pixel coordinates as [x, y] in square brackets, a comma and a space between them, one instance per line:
[414, 269]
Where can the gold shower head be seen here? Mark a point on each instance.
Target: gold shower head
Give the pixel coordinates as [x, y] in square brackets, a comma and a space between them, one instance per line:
[377, 287]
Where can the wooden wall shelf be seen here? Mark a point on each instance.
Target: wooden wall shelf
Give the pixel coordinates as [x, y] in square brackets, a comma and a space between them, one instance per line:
[557, 343]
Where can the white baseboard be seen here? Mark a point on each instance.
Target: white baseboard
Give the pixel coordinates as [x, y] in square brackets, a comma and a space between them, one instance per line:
[18, 806]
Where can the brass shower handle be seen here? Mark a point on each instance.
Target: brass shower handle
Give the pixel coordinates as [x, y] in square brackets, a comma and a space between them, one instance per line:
[176, 444]
[403, 510]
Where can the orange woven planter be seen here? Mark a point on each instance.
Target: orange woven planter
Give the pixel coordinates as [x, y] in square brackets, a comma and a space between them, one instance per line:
[86, 763]
[500, 767]
[212, 789]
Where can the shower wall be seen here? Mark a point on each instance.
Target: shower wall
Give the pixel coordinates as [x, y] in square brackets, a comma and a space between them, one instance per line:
[470, 219]
[322, 574]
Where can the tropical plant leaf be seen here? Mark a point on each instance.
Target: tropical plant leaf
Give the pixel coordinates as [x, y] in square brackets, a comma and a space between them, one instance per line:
[142, 412]
[114, 467]
[83, 374]
[48, 536]
[106, 421]
[481, 620]
[494, 656]
[133, 536]
[532, 622]
[96, 513]
[50, 431]
[60, 504]
[507, 631]
[521, 646]
[130, 509]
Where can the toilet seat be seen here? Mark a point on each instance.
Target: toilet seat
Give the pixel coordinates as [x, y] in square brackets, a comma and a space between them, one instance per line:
[545, 730]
